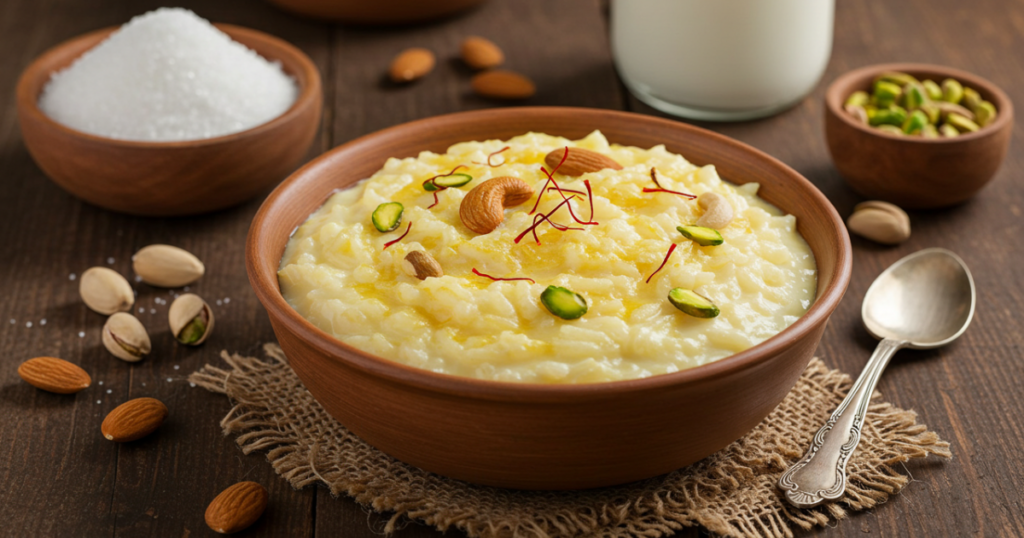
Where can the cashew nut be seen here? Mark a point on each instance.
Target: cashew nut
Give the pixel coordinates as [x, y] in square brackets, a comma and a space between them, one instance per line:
[483, 208]
[717, 211]
[422, 265]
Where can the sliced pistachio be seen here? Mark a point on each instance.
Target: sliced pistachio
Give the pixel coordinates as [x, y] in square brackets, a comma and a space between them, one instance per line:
[858, 112]
[932, 89]
[191, 319]
[891, 129]
[105, 291]
[705, 237]
[971, 99]
[387, 217]
[893, 115]
[915, 122]
[961, 123]
[952, 91]
[896, 77]
[930, 131]
[945, 109]
[985, 113]
[948, 131]
[913, 96]
[167, 266]
[446, 182]
[881, 222]
[563, 302]
[125, 337]
[859, 98]
[886, 93]
[931, 111]
[693, 304]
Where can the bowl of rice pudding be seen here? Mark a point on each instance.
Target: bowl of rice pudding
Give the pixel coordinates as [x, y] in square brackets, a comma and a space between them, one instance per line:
[548, 298]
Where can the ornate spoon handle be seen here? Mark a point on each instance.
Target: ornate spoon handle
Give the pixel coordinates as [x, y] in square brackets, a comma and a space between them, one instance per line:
[821, 474]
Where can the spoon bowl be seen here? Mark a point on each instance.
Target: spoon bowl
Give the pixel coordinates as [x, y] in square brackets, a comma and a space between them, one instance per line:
[926, 299]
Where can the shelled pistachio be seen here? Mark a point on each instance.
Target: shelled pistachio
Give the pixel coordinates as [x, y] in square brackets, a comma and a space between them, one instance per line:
[900, 104]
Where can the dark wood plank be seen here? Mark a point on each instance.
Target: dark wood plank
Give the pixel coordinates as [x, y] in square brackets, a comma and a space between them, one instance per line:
[61, 477]
[966, 392]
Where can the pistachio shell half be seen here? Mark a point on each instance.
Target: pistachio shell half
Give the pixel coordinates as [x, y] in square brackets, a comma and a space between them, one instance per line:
[881, 222]
[105, 291]
[190, 319]
[166, 266]
[126, 338]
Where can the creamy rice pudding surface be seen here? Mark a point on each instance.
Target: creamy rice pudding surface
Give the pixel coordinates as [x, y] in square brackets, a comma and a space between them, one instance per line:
[337, 273]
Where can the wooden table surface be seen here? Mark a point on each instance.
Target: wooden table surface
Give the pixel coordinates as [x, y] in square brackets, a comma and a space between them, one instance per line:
[61, 478]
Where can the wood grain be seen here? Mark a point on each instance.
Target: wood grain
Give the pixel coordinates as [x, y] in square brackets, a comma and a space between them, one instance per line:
[60, 478]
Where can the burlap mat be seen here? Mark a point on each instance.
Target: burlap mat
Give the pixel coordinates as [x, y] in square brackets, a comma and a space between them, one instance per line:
[730, 493]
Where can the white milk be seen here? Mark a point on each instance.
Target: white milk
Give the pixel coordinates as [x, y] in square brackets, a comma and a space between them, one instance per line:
[721, 59]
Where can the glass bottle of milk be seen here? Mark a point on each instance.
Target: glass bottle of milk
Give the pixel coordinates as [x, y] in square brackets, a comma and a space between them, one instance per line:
[724, 60]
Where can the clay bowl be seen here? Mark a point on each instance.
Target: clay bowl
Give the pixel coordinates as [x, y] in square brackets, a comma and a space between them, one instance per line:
[534, 436]
[170, 178]
[915, 172]
[378, 12]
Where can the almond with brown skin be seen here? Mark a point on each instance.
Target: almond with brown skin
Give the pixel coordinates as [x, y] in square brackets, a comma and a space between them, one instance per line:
[500, 84]
[579, 161]
[54, 375]
[412, 64]
[237, 507]
[422, 265]
[480, 53]
[134, 419]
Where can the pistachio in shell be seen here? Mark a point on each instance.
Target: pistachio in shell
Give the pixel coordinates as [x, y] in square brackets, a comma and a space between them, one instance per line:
[167, 266]
[191, 319]
[105, 291]
[879, 221]
[126, 338]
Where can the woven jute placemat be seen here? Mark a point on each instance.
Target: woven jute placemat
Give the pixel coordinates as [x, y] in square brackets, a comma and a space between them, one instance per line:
[730, 493]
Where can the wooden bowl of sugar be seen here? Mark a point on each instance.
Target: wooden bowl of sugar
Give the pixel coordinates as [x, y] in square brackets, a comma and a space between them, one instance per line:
[165, 178]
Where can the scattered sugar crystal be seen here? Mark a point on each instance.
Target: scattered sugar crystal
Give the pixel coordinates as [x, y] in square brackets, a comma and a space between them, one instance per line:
[227, 300]
[42, 321]
[110, 261]
[169, 380]
[72, 276]
[152, 311]
[193, 385]
[168, 75]
[138, 278]
[176, 367]
[219, 302]
[142, 310]
[101, 383]
[13, 321]
[186, 288]
[109, 391]
[98, 401]
[81, 334]
[143, 384]
[28, 324]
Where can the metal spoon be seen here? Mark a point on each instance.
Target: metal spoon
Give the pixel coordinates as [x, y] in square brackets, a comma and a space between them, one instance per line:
[923, 301]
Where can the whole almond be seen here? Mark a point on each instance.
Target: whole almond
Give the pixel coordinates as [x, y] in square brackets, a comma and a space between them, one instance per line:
[167, 266]
[54, 375]
[500, 84]
[411, 64]
[134, 419]
[105, 291]
[579, 161]
[237, 507]
[422, 265]
[480, 53]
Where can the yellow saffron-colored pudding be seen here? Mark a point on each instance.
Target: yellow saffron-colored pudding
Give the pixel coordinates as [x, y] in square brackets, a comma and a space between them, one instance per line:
[337, 273]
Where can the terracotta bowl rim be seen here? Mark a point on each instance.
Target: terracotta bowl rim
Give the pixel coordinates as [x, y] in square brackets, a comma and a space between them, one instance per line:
[834, 99]
[267, 289]
[309, 91]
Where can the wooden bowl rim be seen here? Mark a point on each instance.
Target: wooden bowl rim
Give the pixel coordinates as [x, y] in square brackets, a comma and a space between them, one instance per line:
[308, 80]
[267, 288]
[835, 96]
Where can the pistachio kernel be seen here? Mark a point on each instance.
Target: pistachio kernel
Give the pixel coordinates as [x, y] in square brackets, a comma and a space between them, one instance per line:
[952, 91]
[932, 89]
[961, 123]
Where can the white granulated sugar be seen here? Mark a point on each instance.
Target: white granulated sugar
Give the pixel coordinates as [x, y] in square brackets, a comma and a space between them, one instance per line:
[168, 75]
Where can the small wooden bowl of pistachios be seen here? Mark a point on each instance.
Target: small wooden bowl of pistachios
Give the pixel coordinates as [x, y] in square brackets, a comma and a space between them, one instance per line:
[917, 135]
